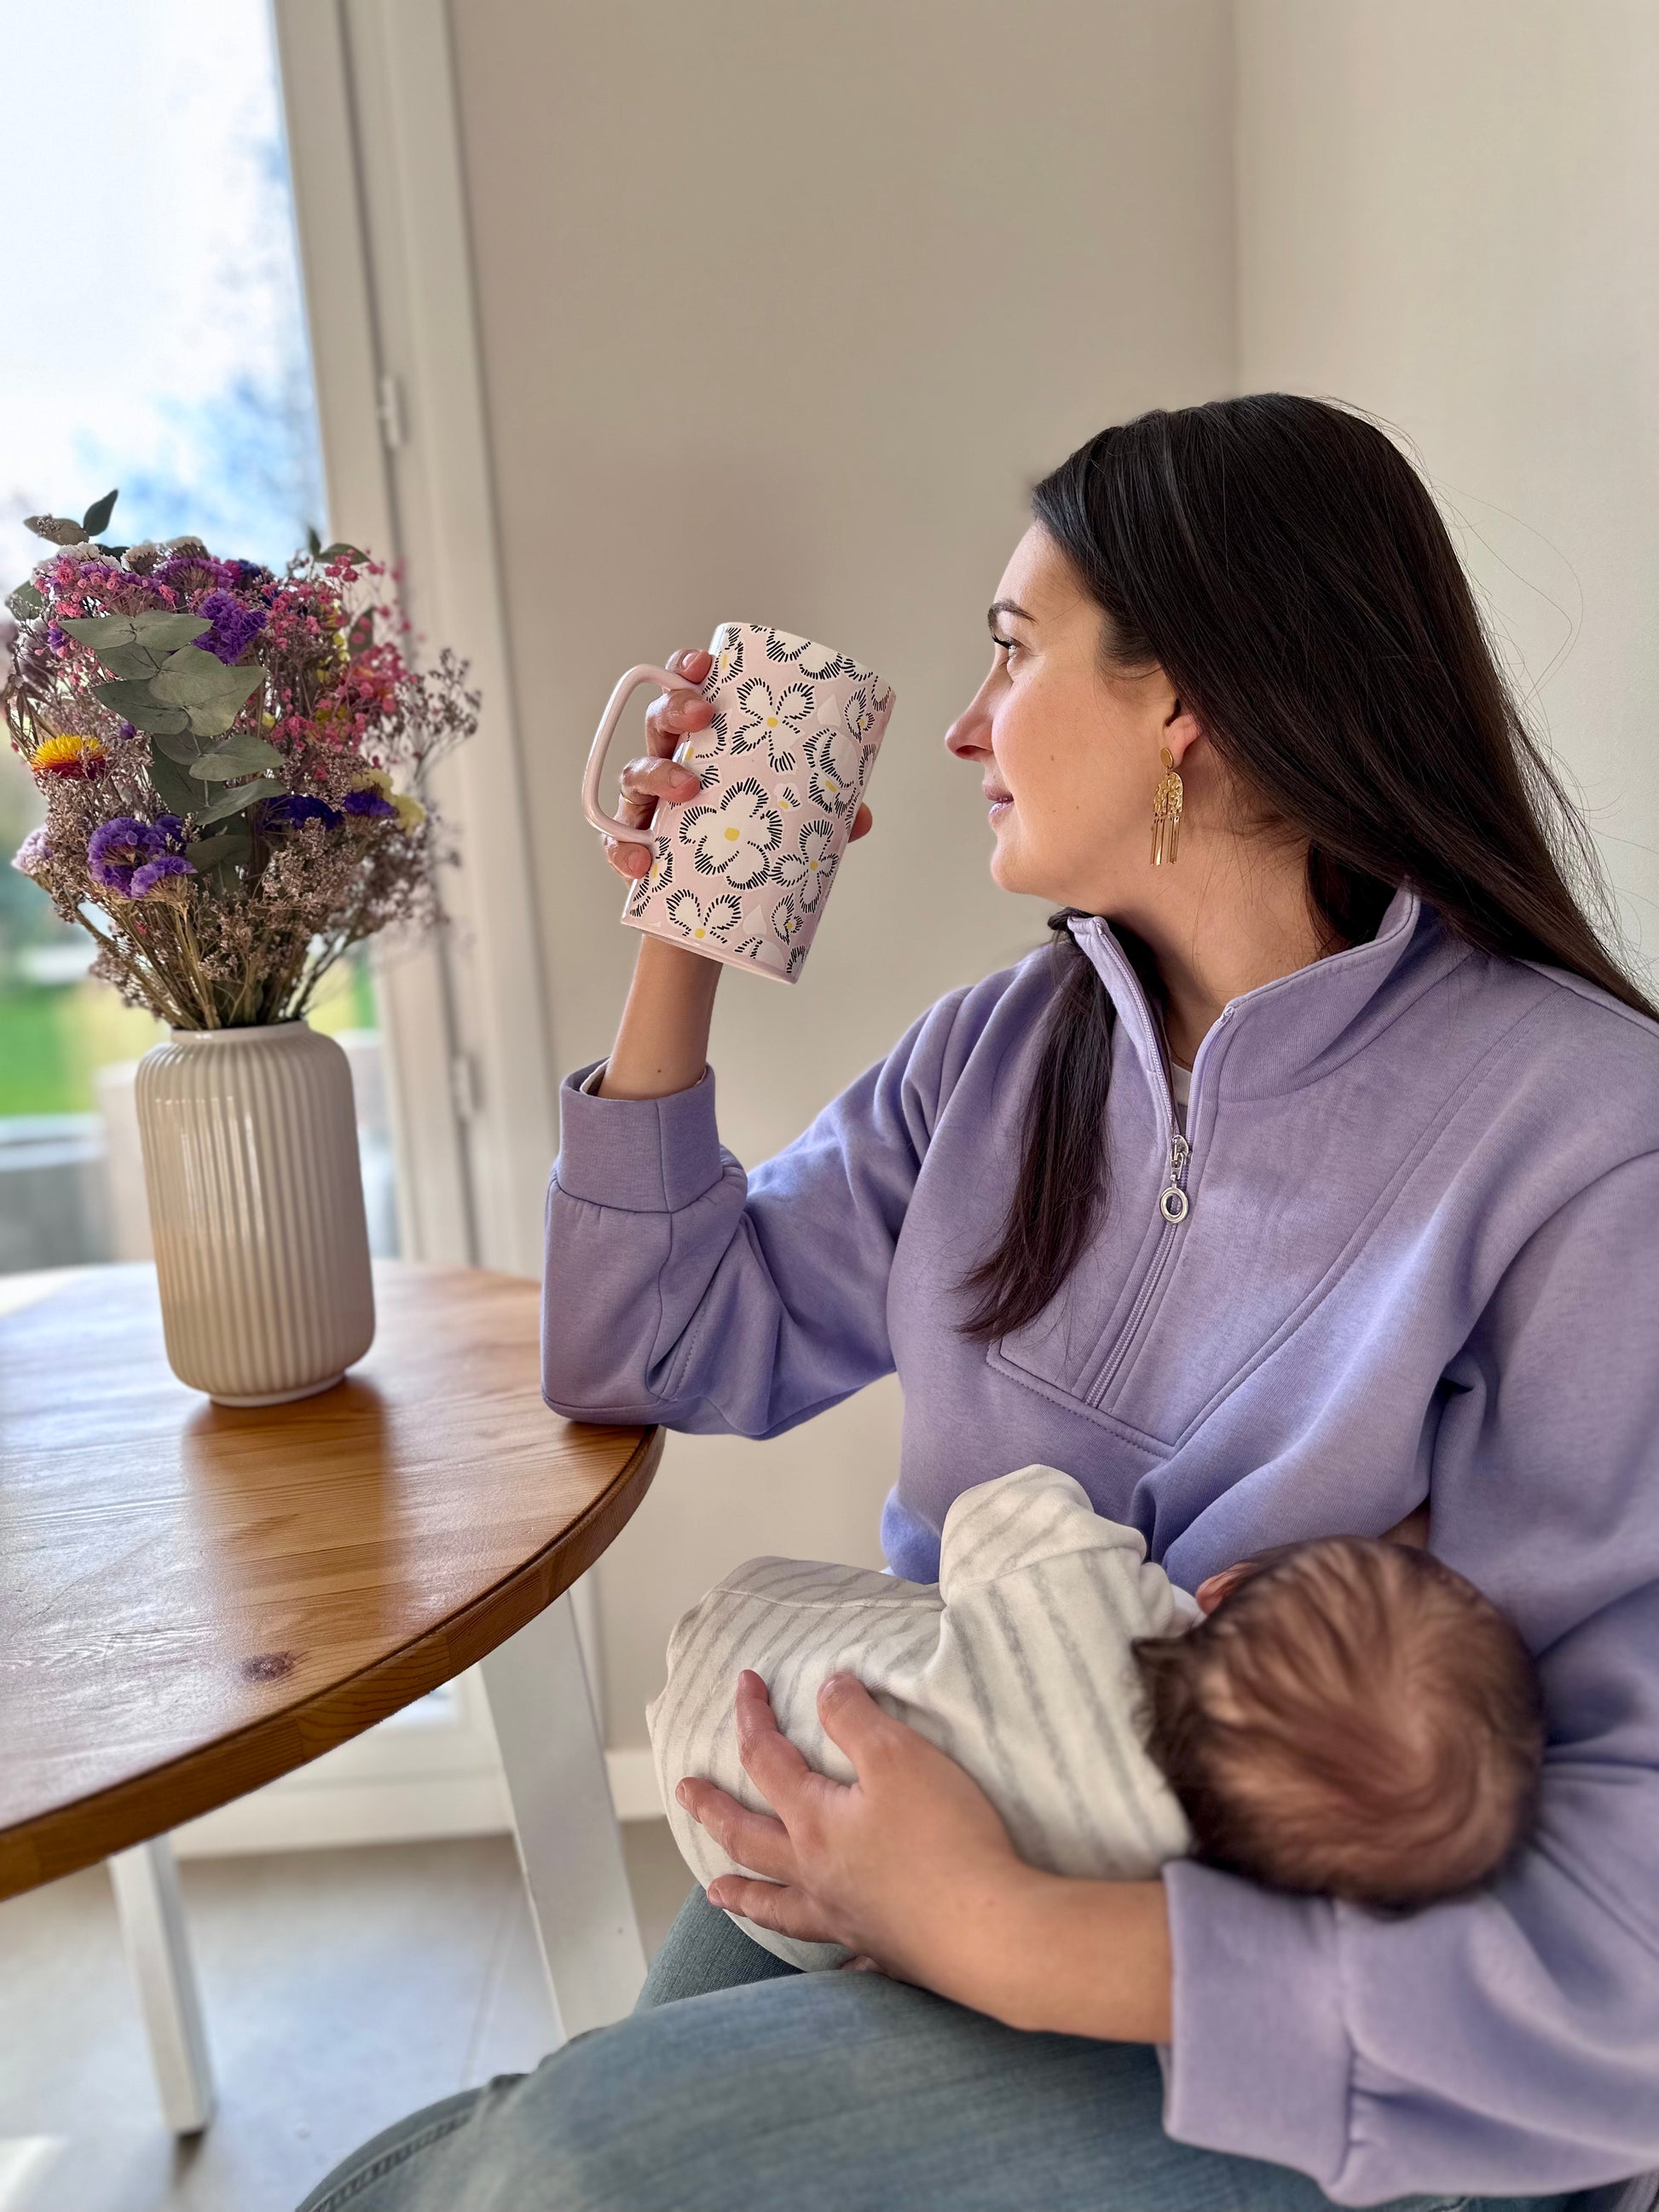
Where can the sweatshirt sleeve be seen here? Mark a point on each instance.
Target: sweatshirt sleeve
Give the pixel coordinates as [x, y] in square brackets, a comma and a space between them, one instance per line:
[1508, 2043]
[678, 1289]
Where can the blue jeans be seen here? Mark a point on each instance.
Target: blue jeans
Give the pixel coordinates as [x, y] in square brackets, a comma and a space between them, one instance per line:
[739, 2082]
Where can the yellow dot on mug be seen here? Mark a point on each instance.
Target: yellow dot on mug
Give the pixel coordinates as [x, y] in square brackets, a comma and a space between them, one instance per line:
[700, 933]
[813, 866]
[731, 835]
[771, 721]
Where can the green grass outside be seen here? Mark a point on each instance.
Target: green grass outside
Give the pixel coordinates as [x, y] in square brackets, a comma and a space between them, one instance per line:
[52, 1038]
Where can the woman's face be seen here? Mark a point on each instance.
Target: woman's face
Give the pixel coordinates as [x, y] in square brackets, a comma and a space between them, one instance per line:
[1067, 748]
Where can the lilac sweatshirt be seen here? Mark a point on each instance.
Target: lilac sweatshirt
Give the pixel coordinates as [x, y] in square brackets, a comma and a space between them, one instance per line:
[1421, 1258]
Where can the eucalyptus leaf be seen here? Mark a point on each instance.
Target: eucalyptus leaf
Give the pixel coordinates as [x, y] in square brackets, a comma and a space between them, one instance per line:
[96, 520]
[178, 793]
[233, 844]
[58, 528]
[26, 602]
[341, 552]
[194, 678]
[236, 798]
[181, 746]
[132, 698]
[314, 543]
[244, 753]
[166, 632]
[142, 661]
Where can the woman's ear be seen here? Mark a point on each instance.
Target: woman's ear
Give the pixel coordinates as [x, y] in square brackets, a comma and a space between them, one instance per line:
[1181, 729]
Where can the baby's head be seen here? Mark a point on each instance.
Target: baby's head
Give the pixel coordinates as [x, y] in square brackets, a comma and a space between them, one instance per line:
[1351, 1719]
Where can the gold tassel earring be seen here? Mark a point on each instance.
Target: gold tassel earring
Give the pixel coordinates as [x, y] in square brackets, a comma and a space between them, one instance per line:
[1166, 812]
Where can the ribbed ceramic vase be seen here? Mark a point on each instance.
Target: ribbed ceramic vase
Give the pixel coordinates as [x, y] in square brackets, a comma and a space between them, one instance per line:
[256, 1206]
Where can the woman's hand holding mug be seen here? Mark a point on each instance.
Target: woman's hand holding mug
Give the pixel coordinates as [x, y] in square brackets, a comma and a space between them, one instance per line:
[760, 751]
[673, 717]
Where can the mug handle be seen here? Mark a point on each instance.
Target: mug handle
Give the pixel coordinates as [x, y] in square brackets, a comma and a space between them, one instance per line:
[591, 807]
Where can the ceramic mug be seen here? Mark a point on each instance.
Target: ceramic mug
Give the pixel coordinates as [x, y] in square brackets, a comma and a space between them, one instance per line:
[741, 871]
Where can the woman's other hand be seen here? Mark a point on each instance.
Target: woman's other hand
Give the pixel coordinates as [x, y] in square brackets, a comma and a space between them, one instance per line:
[671, 717]
[896, 1865]
[911, 1868]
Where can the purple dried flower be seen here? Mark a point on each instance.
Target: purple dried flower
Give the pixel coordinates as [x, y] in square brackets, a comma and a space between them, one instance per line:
[57, 641]
[162, 875]
[295, 807]
[117, 848]
[33, 854]
[234, 626]
[373, 805]
[188, 566]
[172, 829]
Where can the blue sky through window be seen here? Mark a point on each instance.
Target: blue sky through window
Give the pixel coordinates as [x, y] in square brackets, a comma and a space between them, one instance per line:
[156, 336]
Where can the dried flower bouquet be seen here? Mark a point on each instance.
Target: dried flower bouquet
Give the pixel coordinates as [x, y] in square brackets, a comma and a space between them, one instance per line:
[235, 765]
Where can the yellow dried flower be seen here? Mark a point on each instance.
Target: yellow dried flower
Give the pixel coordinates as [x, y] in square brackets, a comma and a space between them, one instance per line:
[410, 812]
[83, 757]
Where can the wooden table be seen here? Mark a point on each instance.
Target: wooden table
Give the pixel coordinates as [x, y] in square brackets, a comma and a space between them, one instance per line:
[195, 1600]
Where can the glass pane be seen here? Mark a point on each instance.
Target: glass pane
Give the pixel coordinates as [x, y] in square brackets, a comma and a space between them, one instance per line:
[164, 355]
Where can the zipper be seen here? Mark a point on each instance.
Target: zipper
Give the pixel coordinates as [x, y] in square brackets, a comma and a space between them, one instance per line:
[1173, 1205]
[1173, 1202]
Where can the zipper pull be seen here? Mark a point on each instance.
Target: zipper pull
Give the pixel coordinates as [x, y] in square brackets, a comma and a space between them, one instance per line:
[1172, 1201]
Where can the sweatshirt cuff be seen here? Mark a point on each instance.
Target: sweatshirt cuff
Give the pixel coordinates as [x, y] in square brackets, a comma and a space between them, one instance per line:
[642, 1155]
[1260, 2063]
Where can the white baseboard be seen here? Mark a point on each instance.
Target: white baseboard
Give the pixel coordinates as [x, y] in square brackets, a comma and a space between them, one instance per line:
[389, 1809]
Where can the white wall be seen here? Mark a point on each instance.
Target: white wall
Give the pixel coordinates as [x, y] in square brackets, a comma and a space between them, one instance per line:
[783, 307]
[1448, 212]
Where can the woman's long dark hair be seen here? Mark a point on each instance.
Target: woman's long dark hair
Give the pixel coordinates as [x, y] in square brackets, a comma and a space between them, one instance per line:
[1283, 563]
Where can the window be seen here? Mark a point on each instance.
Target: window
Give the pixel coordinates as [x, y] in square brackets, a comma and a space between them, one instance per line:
[164, 355]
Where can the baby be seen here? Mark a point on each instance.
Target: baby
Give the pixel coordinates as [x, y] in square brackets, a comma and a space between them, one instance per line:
[1346, 1715]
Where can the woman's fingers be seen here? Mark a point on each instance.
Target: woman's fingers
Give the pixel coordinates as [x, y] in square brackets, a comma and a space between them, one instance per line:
[673, 717]
[771, 1904]
[856, 1724]
[753, 1839]
[769, 1759]
[645, 781]
[863, 821]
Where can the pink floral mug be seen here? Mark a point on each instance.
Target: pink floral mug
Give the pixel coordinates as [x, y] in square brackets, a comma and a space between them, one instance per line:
[741, 871]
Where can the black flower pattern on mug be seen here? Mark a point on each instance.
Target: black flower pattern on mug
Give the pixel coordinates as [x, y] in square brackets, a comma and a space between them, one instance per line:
[735, 836]
[770, 716]
[807, 871]
[788, 919]
[797, 954]
[864, 709]
[835, 764]
[660, 873]
[715, 917]
[815, 661]
[728, 658]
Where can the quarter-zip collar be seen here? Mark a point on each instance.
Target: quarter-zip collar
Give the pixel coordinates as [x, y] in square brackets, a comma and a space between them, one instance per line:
[1279, 1033]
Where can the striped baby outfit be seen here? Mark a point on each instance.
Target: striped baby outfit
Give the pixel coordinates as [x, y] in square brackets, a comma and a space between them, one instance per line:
[1017, 1663]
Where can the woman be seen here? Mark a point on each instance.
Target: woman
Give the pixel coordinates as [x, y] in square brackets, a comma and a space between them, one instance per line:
[1414, 1276]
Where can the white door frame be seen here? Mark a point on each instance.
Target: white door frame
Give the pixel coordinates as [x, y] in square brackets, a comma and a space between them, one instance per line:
[379, 199]
[380, 202]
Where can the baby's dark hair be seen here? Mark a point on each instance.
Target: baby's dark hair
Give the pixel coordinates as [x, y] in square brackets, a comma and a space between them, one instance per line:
[1353, 1719]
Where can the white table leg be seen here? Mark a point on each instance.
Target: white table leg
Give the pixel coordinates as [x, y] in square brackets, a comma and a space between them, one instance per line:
[151, 1913]
[570, 1845]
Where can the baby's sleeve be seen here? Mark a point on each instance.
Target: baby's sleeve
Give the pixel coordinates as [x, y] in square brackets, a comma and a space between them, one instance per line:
[1039, 1515]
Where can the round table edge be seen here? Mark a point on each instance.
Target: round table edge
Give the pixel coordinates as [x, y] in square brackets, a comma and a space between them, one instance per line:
[87, 1830]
